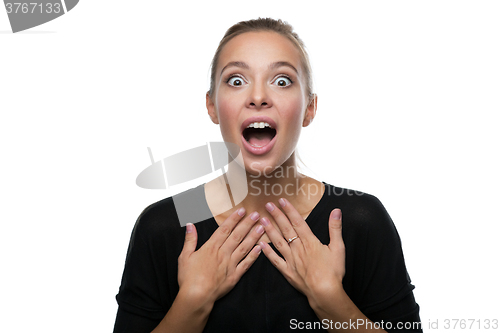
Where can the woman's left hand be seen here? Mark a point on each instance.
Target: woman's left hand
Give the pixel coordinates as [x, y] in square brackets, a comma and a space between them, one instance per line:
[311, 267]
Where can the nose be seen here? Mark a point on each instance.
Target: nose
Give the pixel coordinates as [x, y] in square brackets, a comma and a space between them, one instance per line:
[259, 97]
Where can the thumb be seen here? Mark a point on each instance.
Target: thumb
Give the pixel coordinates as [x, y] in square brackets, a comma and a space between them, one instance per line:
[191, 239]
[335, 227]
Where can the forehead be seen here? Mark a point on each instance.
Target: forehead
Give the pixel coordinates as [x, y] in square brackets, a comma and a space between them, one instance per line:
[259, 49]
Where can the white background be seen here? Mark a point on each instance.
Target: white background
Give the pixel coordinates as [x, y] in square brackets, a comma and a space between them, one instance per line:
[407, 111]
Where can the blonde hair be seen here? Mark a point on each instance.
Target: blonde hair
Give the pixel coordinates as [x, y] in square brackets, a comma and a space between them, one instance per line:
[264, 24]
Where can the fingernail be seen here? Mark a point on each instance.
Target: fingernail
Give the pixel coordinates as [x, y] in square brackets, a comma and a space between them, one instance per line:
[262, 245]
[336, 214]
[269, 207]
[259, 229]
[282, 202]
[254, 216]
[257, 249]
[264, 221]
[241, 211]
[189, 228]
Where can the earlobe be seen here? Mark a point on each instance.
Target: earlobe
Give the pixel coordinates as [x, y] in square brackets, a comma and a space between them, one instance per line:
[310, 111]
[211, 109]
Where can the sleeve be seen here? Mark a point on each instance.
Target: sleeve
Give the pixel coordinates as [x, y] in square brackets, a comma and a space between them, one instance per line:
[386, 291]
[144, 297]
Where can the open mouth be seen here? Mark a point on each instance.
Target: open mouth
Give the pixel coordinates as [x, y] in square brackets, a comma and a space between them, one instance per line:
[259, 134]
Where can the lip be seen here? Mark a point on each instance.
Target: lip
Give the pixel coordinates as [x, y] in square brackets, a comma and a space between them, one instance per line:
[258, 150]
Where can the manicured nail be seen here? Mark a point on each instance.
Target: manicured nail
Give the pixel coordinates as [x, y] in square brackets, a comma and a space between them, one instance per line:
[254, 216]
[282, 202]
[264, 221]
[336, 214]
[269, 207]
[259, 229]
[262, 245]
[257, 249]
[189, 228]
[241, 211]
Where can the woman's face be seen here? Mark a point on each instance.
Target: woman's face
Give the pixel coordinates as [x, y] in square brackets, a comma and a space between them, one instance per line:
[259, 79]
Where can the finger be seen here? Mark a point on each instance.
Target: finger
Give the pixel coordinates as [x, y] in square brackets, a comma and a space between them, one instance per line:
[246, 263]
[190, 240]
[297, 222]
[279, 242]
[275, 259]
[242, 250]
[239, 233]
[224, 230]
[282, 221]
[335, 227]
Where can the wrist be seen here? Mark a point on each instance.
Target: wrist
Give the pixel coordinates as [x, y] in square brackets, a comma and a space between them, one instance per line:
[188, 313]
[327, 298]
[195, 301]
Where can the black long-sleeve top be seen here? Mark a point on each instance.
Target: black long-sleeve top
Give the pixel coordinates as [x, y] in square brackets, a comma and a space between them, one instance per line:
[376, 278]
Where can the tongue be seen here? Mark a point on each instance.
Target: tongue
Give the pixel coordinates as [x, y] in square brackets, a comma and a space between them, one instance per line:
[260, 139]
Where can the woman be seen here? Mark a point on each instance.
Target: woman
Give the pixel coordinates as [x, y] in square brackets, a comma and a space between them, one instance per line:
[332, 257]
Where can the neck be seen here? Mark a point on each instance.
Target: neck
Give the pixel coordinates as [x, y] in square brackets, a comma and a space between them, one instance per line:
[253, 190]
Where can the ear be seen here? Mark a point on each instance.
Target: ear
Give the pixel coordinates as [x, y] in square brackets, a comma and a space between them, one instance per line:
[211, 110]
[310, 110]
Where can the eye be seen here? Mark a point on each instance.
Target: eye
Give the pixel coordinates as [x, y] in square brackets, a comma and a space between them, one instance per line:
[235, 81]
[283, 81]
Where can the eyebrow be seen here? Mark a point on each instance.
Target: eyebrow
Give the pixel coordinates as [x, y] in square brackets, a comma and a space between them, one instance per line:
[240, 64]
[278, 64]
[274, 65]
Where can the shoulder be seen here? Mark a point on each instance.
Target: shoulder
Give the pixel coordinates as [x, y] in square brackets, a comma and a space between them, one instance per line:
[167, 218]
[157, 218]
[156, 226]
[362, 209]
[162, 217]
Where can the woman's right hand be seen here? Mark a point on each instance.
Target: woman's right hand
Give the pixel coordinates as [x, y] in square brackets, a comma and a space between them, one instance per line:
[214, 269]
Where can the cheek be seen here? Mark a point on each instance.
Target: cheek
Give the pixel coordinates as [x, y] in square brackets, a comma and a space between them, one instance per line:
[228, 104]
[227, 116]
[293, 111]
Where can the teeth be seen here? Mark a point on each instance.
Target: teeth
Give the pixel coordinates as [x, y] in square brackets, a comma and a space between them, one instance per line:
[259, 125]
